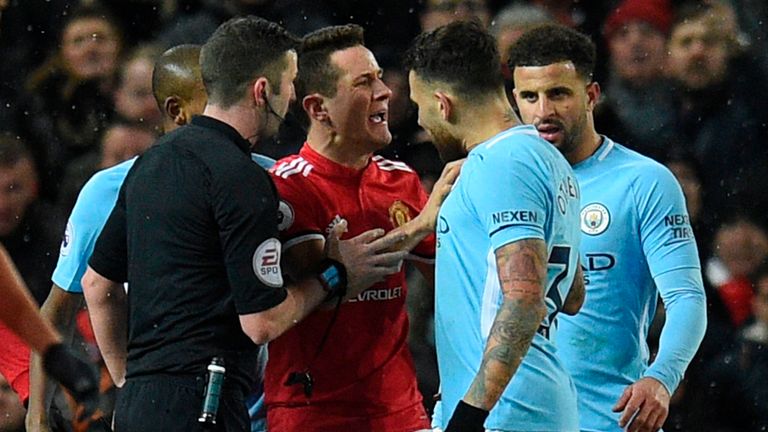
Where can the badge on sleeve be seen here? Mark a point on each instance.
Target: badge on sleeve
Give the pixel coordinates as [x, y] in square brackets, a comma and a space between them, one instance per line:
[66, 241]
[266, 263]
[285, 216]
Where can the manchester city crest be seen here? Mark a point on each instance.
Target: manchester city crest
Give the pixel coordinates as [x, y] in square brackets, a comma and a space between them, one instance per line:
[595, 219]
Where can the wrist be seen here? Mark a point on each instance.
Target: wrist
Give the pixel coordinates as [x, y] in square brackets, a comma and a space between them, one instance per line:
[467, 418]
[333, 278]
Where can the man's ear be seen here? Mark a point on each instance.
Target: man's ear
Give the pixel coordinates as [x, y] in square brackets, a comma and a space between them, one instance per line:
[593, 95]
[174, 111]
[259, 91]
[314, 106]
[444, 105]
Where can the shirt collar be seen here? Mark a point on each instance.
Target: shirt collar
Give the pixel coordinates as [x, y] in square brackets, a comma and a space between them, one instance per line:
[327, 166]
[224, 129]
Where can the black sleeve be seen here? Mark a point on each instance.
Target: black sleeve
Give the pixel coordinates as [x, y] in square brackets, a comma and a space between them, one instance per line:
[245, 208]
[110, 254]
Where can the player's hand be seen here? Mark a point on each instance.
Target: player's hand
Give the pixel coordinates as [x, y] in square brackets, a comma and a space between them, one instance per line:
[644, 406]
[364, 257]
[440, 192]
[75, 375]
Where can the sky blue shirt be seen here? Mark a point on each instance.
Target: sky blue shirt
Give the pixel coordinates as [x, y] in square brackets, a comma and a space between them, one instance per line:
[636, 243]
[90, 213]
[512, 187]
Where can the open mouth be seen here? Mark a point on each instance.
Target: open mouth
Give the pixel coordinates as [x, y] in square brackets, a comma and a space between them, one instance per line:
[379, 117]
[549, 131]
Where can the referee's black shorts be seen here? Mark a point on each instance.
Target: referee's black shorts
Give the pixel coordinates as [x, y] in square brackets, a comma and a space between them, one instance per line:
[170, 403]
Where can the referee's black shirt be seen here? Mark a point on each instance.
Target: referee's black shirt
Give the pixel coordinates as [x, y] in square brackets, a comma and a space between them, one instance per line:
[193, 233]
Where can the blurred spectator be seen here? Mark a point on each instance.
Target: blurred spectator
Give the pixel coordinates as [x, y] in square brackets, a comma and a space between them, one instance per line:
[121, 141]
[68, 102]
[636, 92]
[29, 229]
[440, 12]
[740, 248]
[297, 16]
[11, 411]
[719, 115]
[134, 101]
[508, 25]
[124, 141]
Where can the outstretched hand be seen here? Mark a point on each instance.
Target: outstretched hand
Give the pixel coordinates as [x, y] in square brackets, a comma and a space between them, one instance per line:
[644, 406]
[365, 257]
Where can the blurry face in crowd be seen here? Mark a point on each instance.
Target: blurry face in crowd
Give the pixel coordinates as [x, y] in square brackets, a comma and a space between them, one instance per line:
[442, 12]
[90, 48]
[399, 104]
[556, 100]
[637, 52]
[698, 53]
[359, 111]
[691, 185]
[121, 143]
[432, 120]
[742, 247]
[760, 300]
[287, 94]
[18, 189]
[134, 99]
[11, 411]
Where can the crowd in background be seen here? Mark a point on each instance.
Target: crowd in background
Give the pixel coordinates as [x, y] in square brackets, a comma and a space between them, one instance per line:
[683, 82]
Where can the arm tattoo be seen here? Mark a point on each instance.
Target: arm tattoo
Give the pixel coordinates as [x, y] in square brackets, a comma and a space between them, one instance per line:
[522, 267]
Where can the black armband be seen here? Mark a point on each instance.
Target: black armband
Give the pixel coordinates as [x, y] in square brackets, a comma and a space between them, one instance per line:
[467, 418]
[333, 278]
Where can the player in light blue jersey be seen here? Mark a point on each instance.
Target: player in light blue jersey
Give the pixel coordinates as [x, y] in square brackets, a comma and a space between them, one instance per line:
[508, 244]
[637, 244]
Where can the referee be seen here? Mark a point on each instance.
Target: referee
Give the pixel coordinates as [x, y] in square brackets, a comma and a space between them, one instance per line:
[194, 233]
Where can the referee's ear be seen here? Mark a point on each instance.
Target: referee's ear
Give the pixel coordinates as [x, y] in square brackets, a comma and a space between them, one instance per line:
[314, 106]
[259, 92]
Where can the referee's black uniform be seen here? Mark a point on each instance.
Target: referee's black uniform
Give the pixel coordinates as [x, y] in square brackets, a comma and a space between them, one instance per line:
[193, 232]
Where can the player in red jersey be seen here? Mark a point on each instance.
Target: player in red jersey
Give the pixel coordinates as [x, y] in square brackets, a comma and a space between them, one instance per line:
[348, 369]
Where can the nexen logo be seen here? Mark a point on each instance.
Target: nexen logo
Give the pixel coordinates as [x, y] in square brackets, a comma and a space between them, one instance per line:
[515, 216]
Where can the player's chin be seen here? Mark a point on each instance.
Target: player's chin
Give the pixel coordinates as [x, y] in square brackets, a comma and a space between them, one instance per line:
[380, 138]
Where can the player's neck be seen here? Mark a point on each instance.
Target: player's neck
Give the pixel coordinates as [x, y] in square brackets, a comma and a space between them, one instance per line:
[589, 144]
[332, 147]
[487, 120]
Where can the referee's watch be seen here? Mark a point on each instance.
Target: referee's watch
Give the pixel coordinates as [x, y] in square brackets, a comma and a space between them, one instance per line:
[333, 278]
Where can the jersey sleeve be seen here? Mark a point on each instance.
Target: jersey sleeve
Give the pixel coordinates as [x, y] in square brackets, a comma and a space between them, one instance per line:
[110, 254]
[243, 204]
[297, 221]
[14, 362]
[85, 223]
[670, 249]
[509, 197]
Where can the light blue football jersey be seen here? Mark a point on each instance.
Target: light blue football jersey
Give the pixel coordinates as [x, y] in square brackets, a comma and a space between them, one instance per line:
[90, 213]
[636, 243]
[512, 187]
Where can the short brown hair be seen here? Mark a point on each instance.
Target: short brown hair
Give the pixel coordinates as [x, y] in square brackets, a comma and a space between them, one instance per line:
[238, 52]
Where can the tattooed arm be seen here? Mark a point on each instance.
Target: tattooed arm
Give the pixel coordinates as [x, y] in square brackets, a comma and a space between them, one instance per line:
[522, 267]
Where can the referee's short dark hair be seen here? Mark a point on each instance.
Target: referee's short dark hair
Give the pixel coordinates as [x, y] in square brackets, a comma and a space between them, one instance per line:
[240, 51]
[553, 43]
[461, 54]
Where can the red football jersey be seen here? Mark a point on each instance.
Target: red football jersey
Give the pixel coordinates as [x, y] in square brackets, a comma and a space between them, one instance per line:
[14, 362]
[364, 379]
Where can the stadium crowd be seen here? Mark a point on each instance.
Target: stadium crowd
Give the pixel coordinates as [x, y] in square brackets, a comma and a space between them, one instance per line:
[684, 82]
